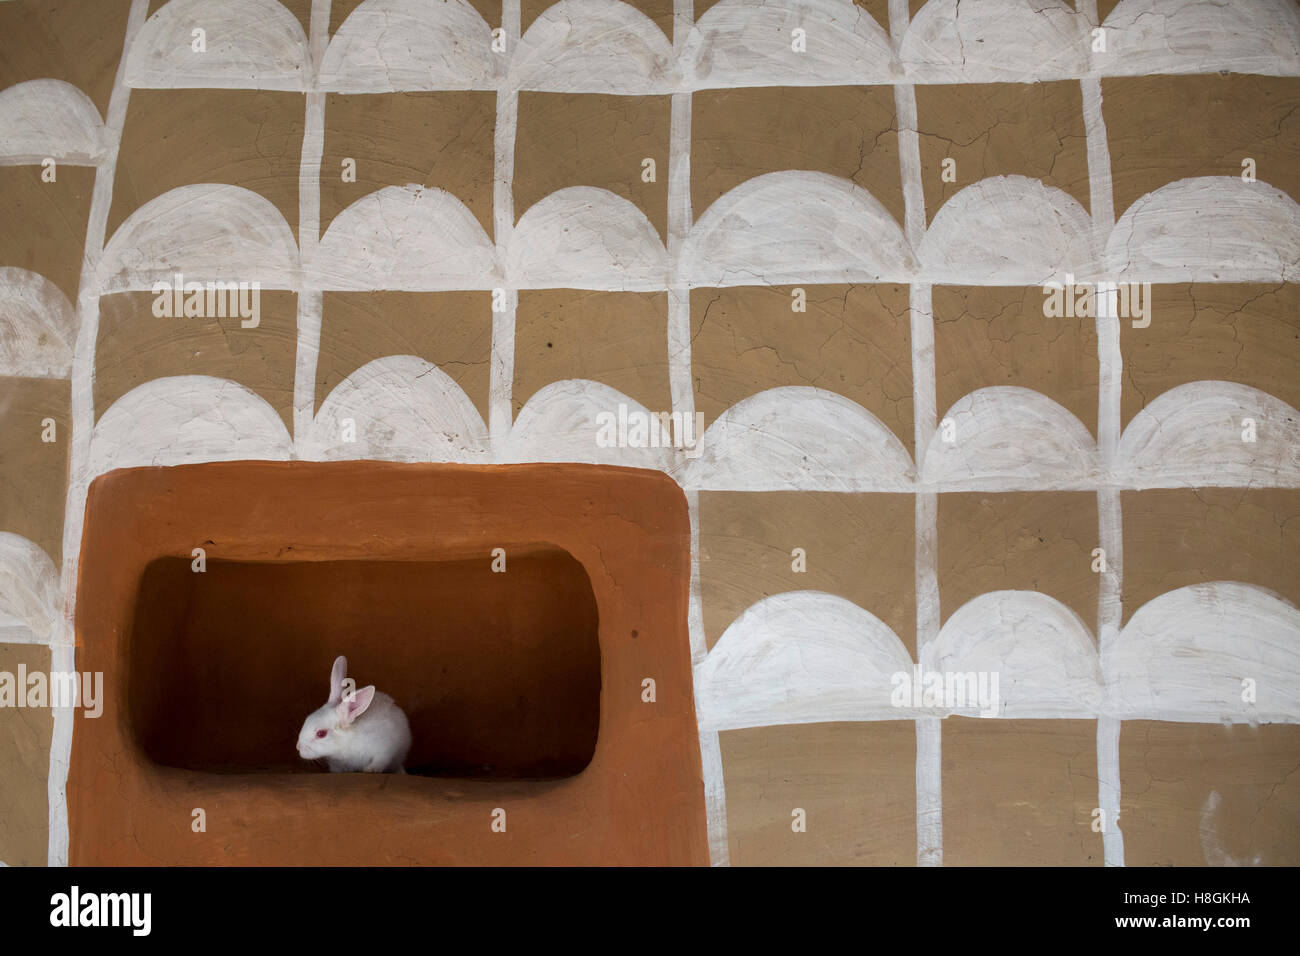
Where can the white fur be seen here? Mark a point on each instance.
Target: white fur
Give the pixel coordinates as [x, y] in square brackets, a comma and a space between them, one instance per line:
[365, 733]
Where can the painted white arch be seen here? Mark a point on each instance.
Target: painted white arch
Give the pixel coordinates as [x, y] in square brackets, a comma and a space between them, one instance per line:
[1008, 438]
[1042, 651]
[402, 409]
[1184, 656]
[594, 46]
[582, 237]
[995, 41]
[183, 419]
[795, 226]
[250, 44]
[407, 238]
[1008, 230]
[37, 326]
[1208, 229]
[800, 438]
[797, 658]
[49, 118]
[1202, 36]
[748, 43]
[1192, 436]
[29, 591]
[387, 46]
[562, 422]
[207, 231]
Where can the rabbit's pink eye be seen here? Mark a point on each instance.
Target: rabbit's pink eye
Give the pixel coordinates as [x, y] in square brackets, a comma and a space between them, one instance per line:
[321, 733]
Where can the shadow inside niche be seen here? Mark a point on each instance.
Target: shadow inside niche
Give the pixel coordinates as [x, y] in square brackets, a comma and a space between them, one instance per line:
[499, 673]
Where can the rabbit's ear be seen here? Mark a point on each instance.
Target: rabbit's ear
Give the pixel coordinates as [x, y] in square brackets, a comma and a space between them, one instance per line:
[339, 672]
[355, 704]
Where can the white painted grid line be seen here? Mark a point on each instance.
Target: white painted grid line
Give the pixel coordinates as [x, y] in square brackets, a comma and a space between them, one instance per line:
[1110, 522]
[682, 391]
[310, 300]
[929, 730]
[63, 638]
[502, 373]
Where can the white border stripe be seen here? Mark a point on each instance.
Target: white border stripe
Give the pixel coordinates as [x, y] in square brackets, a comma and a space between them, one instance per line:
[63, 650]
[1110, 522]
[502, 374]
[680, 219]
[929, 730]
[310, 300]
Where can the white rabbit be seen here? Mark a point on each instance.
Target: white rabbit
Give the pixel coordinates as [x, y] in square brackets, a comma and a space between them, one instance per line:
[366, 731]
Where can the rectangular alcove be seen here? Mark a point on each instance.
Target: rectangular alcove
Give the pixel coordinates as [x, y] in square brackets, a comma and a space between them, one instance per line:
[498, 672]
[523, 687]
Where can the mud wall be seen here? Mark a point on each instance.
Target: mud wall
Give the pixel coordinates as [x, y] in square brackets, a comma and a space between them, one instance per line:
[833, 231]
